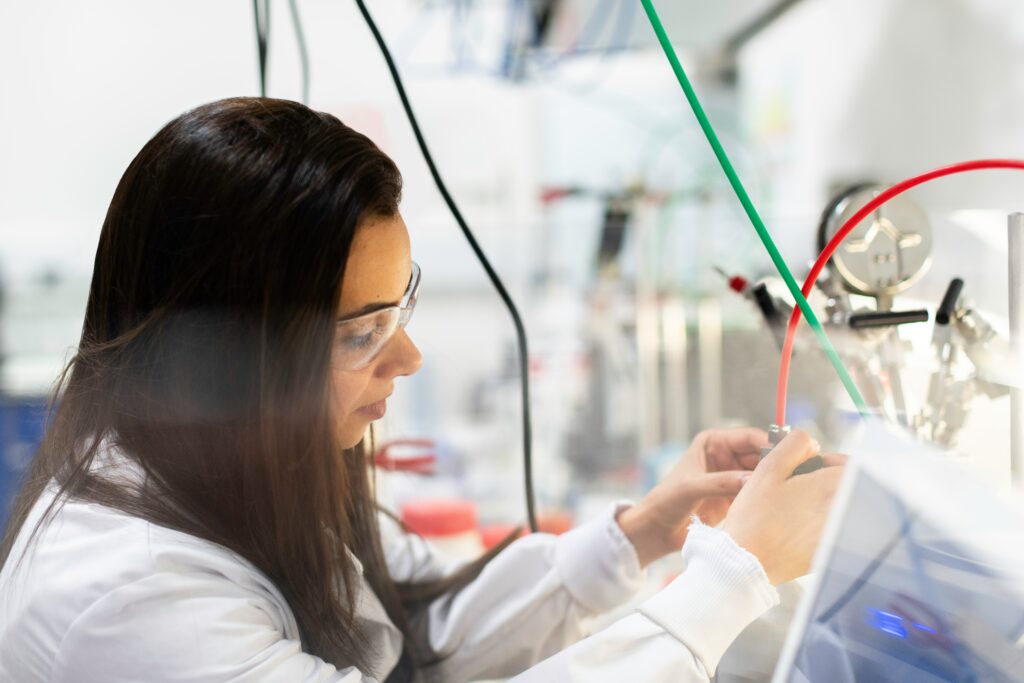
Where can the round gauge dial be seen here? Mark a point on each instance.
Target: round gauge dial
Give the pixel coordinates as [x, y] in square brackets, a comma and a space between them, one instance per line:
[887, 252]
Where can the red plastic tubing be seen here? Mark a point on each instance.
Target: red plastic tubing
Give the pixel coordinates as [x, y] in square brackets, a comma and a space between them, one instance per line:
[787, 349]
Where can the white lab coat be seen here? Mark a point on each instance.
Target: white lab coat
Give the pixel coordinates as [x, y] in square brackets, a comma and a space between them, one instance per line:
[103, 597]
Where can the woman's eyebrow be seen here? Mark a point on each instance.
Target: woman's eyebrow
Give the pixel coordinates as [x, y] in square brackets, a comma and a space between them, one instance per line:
[372, 308]
[368, 308]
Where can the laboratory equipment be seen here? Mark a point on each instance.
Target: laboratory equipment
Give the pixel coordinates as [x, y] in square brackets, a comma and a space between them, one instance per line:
[873, 205]
[884, 259]
[1015, 237]
[416, 456]
[449, 525]
[918, 577]
[881, 257]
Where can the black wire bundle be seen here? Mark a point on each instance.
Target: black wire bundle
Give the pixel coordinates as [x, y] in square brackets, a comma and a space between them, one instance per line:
[300, 38]
[524, 367]
[261, 14]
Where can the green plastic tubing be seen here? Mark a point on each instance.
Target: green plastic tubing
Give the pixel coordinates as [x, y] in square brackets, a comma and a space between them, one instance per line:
[748, 206]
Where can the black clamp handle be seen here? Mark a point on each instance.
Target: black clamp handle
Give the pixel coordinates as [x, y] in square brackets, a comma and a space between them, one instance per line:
[948, 307]
[773, 317]
[861, 321]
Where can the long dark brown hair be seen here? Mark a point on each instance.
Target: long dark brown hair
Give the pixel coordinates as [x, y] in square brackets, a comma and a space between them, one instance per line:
[204, 359]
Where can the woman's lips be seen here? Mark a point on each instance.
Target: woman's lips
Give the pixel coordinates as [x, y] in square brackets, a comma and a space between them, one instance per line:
[375, 411]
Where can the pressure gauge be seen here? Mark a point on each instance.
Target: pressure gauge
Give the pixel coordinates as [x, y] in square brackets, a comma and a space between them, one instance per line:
[887, 252]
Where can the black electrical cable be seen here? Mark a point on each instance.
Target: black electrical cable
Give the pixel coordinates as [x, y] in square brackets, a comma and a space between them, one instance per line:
[300, 38]
[524, 367]
[869, 571]
[261, 15]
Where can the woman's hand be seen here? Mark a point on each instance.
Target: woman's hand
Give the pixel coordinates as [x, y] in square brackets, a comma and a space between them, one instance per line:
[703, 482]
[779, 518]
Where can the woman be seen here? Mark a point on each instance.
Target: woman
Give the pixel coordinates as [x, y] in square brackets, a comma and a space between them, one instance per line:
[200, 509]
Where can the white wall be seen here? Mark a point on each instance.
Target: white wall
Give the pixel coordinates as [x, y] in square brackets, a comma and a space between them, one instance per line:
[86, 82]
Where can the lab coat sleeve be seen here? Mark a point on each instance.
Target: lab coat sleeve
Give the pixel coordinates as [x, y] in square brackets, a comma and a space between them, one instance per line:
[680, 633]
[532, 600]
[194, 627]
[536, 598]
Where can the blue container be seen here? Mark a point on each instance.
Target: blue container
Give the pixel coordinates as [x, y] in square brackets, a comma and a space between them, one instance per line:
[22, 420]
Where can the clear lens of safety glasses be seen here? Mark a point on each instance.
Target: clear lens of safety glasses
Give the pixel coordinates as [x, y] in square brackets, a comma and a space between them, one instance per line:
[358, 340]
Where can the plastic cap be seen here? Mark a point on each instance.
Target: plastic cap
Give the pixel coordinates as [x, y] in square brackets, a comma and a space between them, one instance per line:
[494, 534]
[738, 284]
[444, 517]
[556, 523]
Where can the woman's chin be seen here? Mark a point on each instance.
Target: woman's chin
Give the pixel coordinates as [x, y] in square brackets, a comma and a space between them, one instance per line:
[351, 435]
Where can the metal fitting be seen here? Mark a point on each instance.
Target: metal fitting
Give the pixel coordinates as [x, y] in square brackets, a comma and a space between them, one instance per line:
[776, 434]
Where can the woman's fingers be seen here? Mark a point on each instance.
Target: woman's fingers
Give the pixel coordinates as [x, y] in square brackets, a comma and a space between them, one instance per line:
[748, 461]
[835, 459]
[716, 484]
[731, 448]
[739, 440]
[779, 517]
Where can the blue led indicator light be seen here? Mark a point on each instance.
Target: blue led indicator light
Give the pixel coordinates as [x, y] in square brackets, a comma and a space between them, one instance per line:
[888, 623]
[926, 629]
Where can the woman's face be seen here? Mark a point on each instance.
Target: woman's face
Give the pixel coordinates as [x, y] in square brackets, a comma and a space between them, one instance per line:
[377, 272]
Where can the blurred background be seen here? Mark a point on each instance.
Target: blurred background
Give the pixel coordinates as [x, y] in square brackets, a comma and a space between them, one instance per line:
[566, 141]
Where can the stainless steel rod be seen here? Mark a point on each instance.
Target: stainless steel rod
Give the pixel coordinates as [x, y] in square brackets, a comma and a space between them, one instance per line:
[1015, 236]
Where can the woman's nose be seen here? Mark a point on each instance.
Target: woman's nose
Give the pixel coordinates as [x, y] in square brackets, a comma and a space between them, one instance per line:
[400, 357]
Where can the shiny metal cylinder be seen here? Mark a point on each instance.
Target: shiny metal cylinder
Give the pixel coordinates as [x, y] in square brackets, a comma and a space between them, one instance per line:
[1015, 237]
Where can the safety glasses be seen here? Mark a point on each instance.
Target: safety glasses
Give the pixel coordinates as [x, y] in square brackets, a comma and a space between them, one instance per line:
[358, 340]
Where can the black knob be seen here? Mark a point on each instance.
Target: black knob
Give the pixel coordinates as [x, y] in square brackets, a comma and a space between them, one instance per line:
[948, 307]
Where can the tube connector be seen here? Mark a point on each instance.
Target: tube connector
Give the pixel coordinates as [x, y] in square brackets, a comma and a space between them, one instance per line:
[776, 433]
